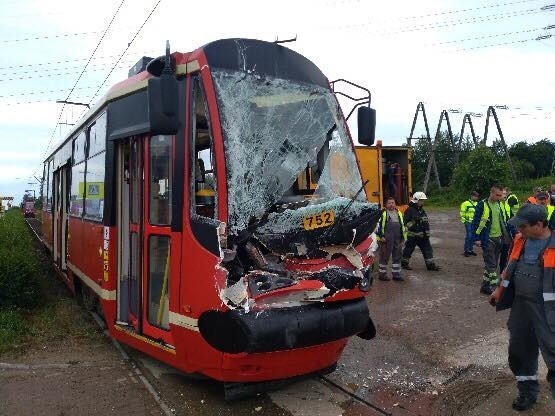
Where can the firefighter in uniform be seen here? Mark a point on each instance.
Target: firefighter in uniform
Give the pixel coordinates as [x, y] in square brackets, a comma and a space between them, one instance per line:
[467, 215]
[528, 288]
[490, 232]
[391, 233]
[418, 233]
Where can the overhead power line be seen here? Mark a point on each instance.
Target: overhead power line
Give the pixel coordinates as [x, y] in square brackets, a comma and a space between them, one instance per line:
[57, 36]
[125, 51]
[457, 21]
[100, 65]
[42, 64]
[64, 105]
[50, 75]
[96, 48]
[485, 37]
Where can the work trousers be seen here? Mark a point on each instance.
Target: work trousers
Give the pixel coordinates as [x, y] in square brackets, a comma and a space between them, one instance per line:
[530, 334]
[468, 240]
[491, 255]
[423, 243]
[391, 247]
[504, 256]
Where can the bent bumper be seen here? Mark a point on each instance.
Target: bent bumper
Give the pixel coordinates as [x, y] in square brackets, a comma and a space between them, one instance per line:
[281, 329]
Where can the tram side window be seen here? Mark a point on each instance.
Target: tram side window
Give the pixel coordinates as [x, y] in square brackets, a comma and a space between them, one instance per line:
[160, 181]
[49, 187]
[94, 182]
[42, 188]
[79, 145]
[94, 176]
[203, 171]
[77, 190]
[97, 135]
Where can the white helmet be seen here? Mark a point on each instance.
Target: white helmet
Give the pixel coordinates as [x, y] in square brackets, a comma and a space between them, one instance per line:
[417, 196]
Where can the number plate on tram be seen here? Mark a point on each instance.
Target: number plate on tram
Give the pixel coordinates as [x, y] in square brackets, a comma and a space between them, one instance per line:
[322, 219]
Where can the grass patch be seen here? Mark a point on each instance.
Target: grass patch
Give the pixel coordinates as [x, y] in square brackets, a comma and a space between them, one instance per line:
[13, 330]
[35, 306]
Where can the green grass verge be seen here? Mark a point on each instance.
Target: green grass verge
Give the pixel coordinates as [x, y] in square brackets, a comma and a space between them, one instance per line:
[36, 308]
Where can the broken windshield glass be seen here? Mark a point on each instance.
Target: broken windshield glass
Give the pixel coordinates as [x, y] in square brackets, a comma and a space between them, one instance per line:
[277, 134]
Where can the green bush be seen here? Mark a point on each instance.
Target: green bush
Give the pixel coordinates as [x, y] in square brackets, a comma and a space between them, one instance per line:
[480, 170]
[19, 267]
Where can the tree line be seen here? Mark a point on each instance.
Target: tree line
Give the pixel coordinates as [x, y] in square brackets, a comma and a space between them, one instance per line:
[481, 166]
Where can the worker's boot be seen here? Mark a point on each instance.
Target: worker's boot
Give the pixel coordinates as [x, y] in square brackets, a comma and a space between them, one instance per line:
[397, 277]
[486, 288]
[405, 264]
[523, 402]
[430, 265]
[382, 272]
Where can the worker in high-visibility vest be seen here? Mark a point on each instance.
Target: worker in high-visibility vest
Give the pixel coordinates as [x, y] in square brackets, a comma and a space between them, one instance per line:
[510, 202]
[391, 233]
[542, 198]
[527, 287]
[467, 215]
[490, 232]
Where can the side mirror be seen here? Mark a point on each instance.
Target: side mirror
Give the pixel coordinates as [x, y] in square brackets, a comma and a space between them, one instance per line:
[162, 91]
[163, 104]
[366, 120]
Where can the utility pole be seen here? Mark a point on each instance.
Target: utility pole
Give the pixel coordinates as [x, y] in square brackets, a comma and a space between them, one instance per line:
[420, 107]
[491, 111]
[444, 114]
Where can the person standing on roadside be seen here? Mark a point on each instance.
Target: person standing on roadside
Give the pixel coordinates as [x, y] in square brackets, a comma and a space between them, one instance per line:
[467, 215]
[511, 202]
[490, 232]
[528, 288]
[391, 233]
[418, 233]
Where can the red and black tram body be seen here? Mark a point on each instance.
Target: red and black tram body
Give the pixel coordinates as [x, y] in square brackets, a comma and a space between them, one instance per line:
[233, 241]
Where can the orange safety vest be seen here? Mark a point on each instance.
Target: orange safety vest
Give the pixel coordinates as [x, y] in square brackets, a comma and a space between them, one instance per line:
[548, 283]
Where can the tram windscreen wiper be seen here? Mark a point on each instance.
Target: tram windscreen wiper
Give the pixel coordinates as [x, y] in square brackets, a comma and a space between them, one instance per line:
[341, 215]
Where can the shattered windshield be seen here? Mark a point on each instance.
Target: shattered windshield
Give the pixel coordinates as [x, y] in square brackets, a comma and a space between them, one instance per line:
[285, 141]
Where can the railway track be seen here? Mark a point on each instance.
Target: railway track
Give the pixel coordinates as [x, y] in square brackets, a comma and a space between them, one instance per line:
[143, 374]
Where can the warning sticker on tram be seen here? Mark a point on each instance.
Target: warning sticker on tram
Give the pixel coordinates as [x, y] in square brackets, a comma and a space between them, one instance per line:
[322, 219]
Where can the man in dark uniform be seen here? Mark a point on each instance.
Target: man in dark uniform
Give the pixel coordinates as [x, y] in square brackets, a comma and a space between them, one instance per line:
[528, 288]
[418, 233]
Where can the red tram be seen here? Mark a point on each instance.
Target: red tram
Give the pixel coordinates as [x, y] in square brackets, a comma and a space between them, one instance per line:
[213, 206]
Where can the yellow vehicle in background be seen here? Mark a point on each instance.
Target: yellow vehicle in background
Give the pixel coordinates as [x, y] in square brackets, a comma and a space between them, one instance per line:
[388, 171]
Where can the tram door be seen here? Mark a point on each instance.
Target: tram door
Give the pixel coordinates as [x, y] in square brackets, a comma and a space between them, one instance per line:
[144, 195]
[63, 214]
[56, 201]
[60, 218]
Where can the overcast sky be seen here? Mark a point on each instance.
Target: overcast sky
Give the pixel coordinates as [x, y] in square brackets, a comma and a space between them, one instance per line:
[459, 55]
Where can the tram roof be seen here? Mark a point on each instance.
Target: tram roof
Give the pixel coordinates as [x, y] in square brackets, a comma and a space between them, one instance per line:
[256, 56]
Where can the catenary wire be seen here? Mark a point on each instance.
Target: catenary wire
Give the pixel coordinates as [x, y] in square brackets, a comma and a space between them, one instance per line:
[64, 104]
[125, 51]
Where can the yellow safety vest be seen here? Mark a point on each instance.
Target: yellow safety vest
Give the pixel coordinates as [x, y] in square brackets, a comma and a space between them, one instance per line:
[467, 210]
[401, 222]
[486, 214]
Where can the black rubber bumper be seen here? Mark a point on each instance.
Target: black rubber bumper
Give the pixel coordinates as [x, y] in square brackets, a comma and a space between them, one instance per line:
[281, 329]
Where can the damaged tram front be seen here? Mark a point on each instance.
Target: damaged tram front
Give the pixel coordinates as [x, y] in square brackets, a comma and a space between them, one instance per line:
[236, 235]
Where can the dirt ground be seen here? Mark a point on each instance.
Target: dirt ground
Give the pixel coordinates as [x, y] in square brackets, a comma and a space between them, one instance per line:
[440, 350]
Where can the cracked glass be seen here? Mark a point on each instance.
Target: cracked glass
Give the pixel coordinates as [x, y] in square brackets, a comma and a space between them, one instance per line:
[287, 148]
